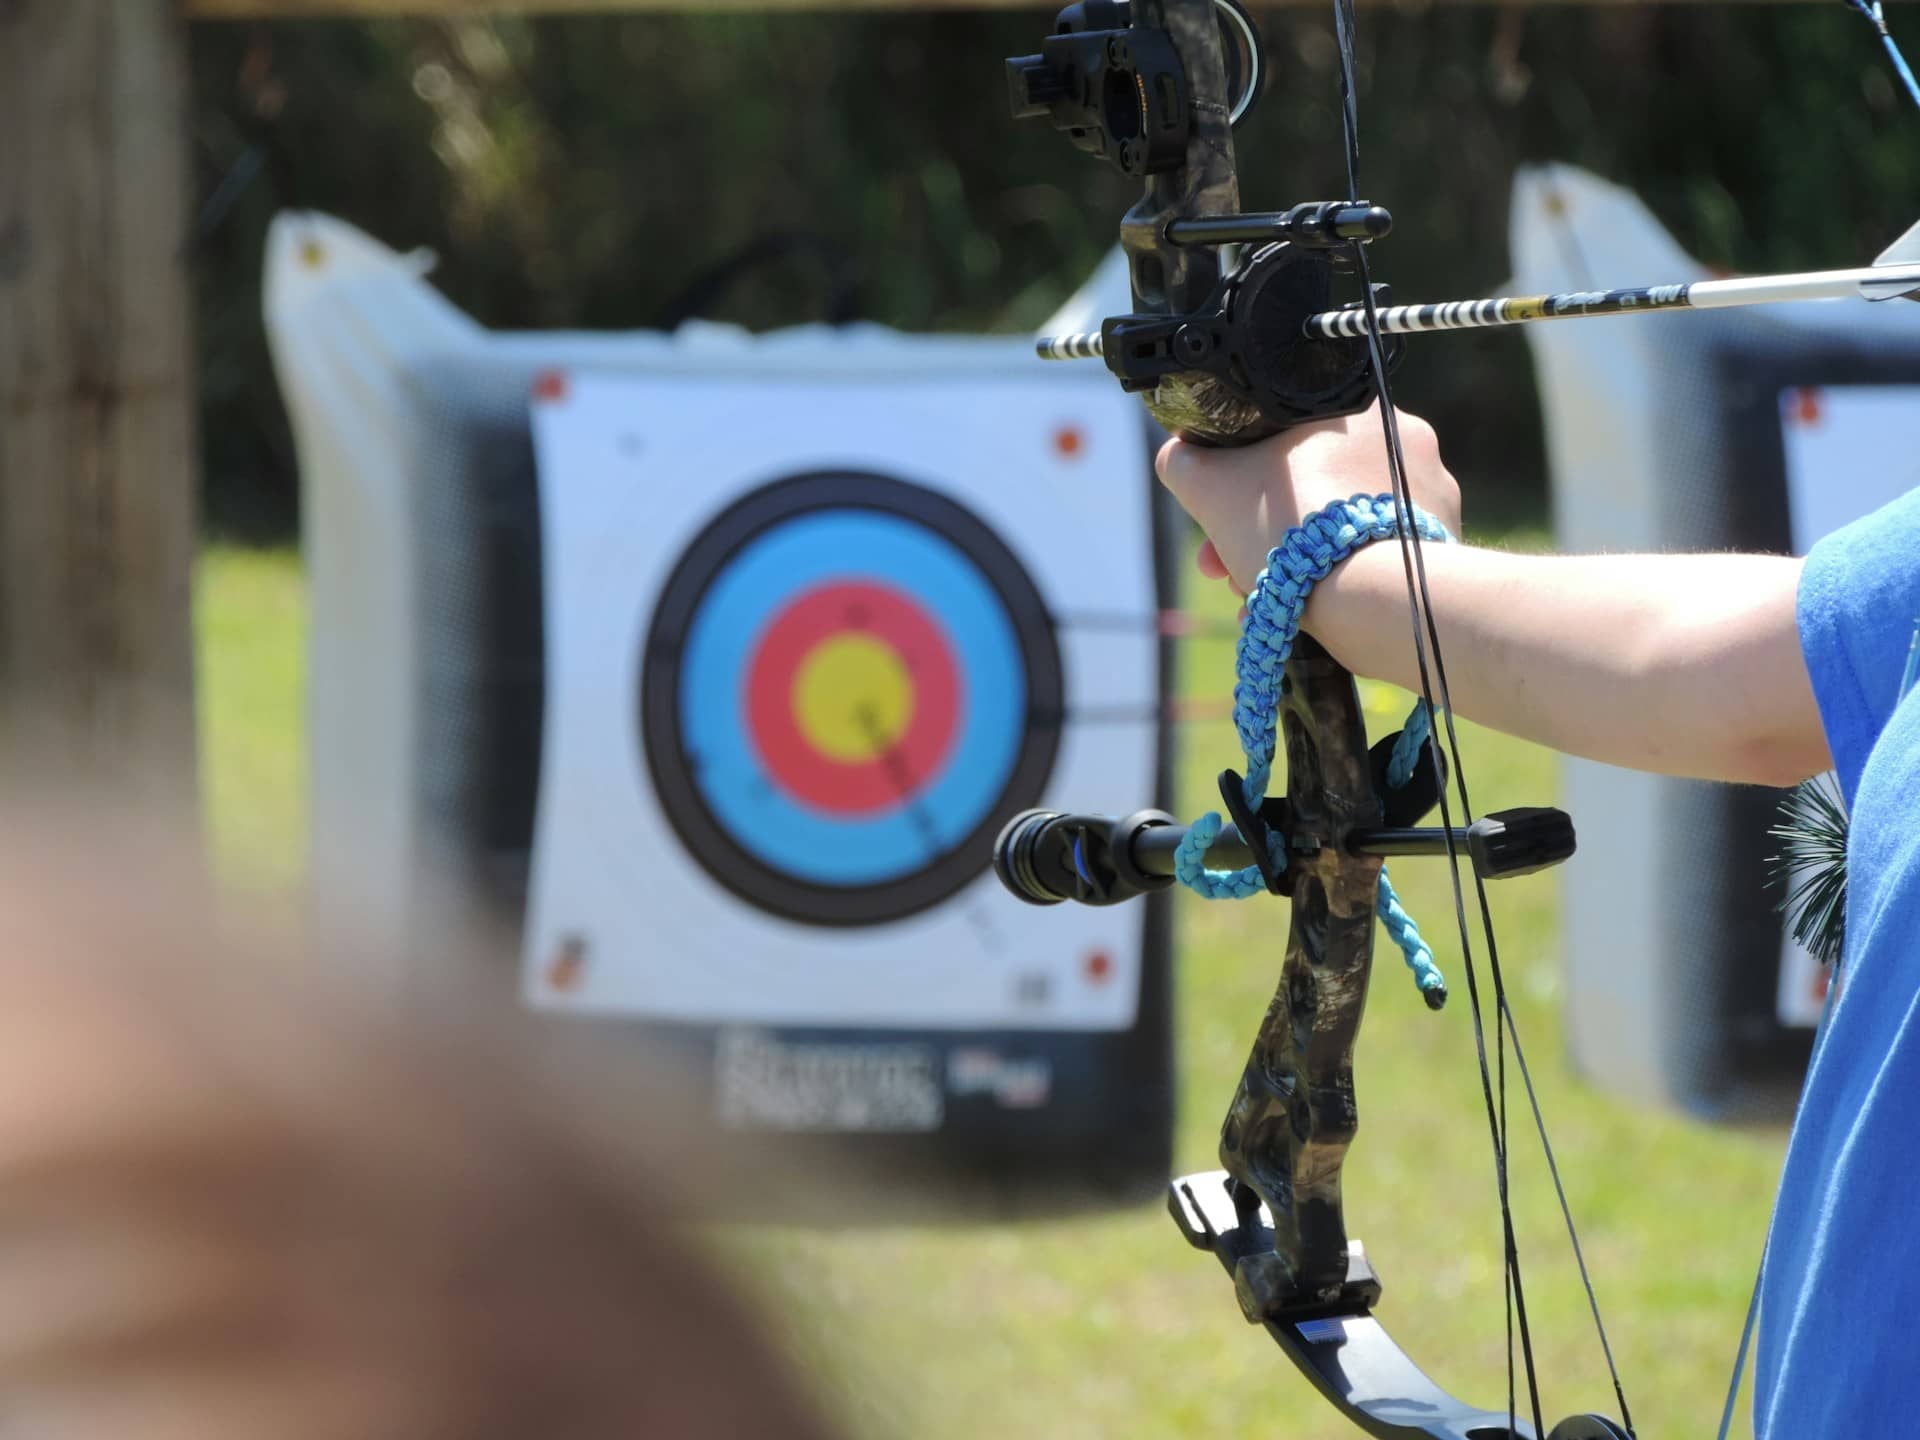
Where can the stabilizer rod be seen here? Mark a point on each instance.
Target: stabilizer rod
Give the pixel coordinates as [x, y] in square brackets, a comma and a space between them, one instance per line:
[1046, 857]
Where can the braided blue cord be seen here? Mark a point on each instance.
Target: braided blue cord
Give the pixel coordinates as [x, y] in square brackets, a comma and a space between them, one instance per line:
[1413, 949]
[1406, 745]
[1190, 863]
[1306, 555]
[1419, 956]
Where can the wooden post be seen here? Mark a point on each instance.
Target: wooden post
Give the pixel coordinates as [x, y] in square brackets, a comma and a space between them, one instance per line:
[98, 470]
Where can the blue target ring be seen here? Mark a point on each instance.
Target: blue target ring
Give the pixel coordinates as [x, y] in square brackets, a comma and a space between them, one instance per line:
[942, 599]
[818, 549]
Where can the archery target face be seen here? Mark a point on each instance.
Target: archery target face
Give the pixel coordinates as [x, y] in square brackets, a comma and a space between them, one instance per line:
[809, 643]
[849, 683]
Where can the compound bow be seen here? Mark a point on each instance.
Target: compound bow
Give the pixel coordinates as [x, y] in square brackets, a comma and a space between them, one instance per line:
[1229, 346]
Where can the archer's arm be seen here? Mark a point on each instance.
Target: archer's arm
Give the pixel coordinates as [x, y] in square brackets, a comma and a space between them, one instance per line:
[1679, 664]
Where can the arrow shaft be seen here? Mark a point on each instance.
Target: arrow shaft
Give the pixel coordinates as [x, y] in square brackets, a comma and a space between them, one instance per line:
[1083, 346]
[1584, 304]
[1874, 282]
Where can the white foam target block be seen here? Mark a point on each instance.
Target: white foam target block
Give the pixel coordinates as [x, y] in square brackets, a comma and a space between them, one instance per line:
[1755, 429]
[1850, 450]
[808, 644]
[1867, 437]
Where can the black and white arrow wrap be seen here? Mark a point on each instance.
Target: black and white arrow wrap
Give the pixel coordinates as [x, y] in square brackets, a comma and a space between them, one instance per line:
[1084, 346]
[1409, 319]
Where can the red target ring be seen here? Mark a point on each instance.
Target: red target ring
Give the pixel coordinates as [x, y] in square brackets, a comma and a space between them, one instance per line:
[898, 759]
[848, 684]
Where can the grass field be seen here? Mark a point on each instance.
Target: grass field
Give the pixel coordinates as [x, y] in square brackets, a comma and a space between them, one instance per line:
[1111, 1327]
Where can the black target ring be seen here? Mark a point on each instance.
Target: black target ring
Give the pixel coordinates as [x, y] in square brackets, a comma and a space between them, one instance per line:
[790, 591]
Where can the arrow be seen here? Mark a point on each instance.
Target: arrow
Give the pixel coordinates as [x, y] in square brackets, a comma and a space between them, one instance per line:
[1895, 275]
[1873, 282]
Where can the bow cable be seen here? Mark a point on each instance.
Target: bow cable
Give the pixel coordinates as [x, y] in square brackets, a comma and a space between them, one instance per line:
[1876, 17]
[1419, 601]
[1420, 607]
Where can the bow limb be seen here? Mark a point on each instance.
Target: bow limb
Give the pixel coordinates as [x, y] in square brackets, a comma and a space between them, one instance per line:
[1274, 1215]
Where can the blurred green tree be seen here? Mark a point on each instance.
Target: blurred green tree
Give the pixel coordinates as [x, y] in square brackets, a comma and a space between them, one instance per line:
[616, 172]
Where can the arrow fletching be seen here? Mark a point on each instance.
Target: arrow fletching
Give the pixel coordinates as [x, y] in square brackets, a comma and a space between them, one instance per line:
[1903, 254]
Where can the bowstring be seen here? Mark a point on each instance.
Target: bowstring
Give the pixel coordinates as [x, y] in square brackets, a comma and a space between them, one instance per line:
[1418, 602]
[1493, 1080]
[1420, 606]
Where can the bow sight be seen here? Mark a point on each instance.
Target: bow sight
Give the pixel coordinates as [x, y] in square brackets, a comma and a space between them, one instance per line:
[1228, 355]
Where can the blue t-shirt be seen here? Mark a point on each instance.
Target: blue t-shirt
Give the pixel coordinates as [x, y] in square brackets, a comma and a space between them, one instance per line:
[1838, 1352]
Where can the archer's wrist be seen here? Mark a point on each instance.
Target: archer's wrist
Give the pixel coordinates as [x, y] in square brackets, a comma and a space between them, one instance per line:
[1359, 612]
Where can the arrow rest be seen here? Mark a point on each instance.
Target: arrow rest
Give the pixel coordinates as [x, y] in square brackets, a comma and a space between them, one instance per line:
[1249, 336]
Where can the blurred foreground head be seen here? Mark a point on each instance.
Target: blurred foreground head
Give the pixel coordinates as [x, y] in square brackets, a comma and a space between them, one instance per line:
[236, 1206]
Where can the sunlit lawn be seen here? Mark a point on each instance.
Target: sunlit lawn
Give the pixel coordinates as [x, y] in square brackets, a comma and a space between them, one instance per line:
[1111, 1327]
[250, 622]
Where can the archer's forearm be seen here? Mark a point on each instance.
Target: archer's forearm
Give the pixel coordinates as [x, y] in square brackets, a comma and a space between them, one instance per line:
[1677, 664]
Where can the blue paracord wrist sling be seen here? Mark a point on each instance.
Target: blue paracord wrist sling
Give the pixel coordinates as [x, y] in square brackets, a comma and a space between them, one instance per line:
[1305, 556]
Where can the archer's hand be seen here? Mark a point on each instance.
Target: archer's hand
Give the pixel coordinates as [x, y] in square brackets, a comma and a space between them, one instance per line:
[1246, 499]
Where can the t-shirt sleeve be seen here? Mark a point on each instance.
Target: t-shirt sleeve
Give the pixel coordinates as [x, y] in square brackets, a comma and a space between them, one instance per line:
[1859, 602]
